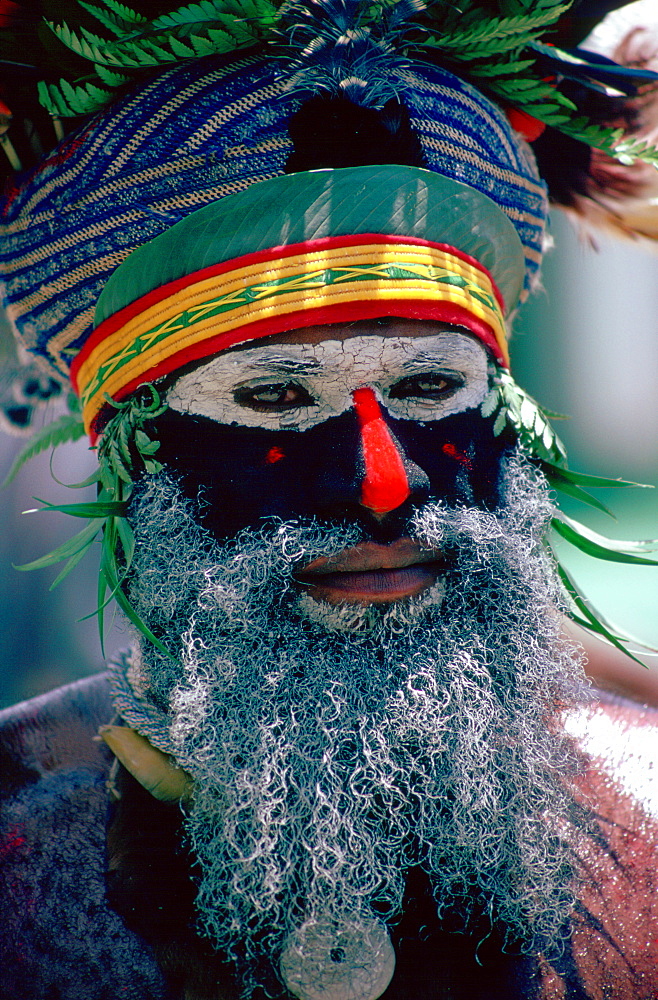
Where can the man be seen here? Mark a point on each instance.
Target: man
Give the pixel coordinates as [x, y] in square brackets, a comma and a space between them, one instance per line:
[346, 726]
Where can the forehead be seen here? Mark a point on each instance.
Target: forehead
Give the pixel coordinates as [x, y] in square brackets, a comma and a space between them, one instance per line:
[352, 347]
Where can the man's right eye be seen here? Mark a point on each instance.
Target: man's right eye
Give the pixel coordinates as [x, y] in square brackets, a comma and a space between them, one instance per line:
[274, 396]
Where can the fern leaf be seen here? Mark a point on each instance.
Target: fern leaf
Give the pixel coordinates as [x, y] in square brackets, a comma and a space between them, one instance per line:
[141, 53]
[90, 47]
[110, 77]
[118, 24]
[124, 13]
[502, 68]
[180, 49]
[65, 428]
[52, 99]
[221, 40]
[491, 36]
[190, 14]
[84, 100]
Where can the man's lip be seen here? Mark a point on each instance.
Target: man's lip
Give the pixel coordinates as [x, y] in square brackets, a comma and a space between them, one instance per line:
[367, 556]
[372, 573]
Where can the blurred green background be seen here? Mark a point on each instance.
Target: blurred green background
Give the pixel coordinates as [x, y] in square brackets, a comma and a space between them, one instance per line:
[587, 346]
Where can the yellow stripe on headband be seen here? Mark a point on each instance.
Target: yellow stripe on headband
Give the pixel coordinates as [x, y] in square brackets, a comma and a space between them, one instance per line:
[262, 291]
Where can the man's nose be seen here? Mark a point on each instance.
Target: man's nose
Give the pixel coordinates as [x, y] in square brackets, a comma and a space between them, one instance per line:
[389, 478]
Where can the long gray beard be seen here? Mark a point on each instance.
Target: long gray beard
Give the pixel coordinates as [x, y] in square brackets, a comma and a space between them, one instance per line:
[333, 752]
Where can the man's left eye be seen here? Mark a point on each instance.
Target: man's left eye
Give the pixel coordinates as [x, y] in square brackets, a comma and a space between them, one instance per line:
[274, 396]
[433, 385]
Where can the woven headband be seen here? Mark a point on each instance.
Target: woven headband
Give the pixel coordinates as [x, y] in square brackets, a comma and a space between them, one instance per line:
[333, 280]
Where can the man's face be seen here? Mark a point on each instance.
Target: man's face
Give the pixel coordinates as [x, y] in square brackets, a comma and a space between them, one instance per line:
[362, 423]
[366, 645]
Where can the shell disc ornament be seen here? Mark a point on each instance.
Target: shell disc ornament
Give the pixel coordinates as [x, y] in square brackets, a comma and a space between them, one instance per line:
[330, 960]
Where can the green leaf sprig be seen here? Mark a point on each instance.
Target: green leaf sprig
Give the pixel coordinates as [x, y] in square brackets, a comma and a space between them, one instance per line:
[209, 27]
[125, 448]
[514, 409]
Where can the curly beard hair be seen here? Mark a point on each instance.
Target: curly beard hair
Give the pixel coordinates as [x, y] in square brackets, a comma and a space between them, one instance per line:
[333, 751]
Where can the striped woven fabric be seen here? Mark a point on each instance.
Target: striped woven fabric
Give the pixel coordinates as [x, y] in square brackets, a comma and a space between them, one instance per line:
[193, 135]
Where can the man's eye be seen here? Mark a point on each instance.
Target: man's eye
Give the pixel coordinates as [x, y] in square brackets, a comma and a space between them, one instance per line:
[432, 385]
[277, 396]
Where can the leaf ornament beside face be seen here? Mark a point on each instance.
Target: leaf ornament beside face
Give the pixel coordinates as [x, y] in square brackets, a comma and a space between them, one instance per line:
[513, 408]
[124, 450]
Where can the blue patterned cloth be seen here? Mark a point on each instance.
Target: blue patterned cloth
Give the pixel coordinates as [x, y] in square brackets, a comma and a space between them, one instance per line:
[191, 136]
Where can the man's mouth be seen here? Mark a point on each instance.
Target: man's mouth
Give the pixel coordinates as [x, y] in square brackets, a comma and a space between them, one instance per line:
[370, 573]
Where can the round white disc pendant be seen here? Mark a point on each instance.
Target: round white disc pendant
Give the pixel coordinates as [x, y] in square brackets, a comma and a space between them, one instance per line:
[328, 960]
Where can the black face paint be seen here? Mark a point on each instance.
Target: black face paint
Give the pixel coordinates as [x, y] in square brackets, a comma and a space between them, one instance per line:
[245, 474]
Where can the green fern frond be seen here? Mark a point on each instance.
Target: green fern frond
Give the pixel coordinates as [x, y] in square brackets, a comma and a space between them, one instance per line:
[89, 47]
[111, 77]
[515, 409]
[493, 36]
[501, 68]
[116, 18]
[68, 427]
[126, 14]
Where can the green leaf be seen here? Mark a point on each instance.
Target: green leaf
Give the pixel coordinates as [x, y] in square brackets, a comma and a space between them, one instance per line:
[95, 508]
[118, 24]
[571, 490]
[65, 428]
[490, 402]
[601, 547]
[89, 46]
[490, 36]
[110, 77]
[127, 538]
[590, 620]
[179, 48]
[68, 548]
[126, 14]
[51, 98]
[85, 99]
[114, 585]
[593, 482]
[528, 413]
[71, 564]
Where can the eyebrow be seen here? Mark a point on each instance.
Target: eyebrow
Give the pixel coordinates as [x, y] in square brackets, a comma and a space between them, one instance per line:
[432, 358]
[283, 365]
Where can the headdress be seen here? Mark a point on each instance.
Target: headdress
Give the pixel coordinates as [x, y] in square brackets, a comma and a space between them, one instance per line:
[382, 149]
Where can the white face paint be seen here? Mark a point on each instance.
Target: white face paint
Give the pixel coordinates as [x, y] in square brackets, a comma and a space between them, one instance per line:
[297, 386]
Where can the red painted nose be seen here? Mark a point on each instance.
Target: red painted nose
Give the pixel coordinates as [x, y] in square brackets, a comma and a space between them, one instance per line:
[385, 485]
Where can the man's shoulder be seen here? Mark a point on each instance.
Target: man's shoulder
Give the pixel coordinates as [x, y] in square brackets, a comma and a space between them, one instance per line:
[60, 937]
[616, 926]
[619, 738]
[54, 733]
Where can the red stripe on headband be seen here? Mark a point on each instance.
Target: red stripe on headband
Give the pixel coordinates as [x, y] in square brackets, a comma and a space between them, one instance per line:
[120, 318]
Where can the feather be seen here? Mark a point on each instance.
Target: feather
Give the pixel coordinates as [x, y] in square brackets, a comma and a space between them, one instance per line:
[344, 50]
[614, 195]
